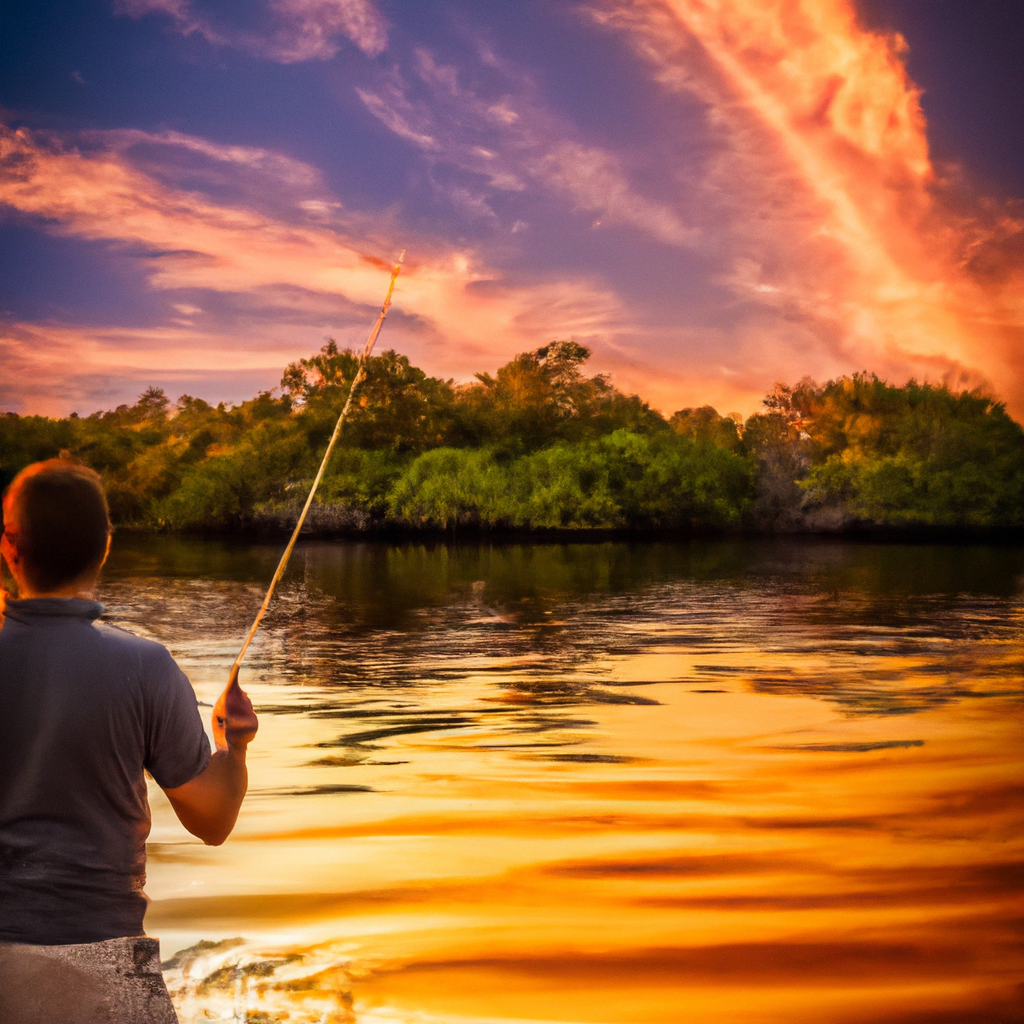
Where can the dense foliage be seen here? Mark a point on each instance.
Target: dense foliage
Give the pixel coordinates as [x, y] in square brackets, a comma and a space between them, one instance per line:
[540, 445]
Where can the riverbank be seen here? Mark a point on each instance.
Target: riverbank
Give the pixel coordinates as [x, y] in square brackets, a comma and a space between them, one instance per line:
[338, 522]
[542, 450]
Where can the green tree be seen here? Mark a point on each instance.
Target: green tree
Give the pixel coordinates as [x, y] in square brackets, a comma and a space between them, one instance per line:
[543, 396]
[397, 406]
[705, 424]
[915, 455]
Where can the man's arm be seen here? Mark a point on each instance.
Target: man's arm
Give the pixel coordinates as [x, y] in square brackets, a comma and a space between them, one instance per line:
[208, 804]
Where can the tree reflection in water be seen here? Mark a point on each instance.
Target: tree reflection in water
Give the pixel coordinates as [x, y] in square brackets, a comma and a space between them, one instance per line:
[601, 783]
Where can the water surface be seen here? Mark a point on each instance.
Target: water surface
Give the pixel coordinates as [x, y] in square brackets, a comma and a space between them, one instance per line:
[600, 783]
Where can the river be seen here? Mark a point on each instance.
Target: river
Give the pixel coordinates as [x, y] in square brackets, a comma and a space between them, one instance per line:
[600, 783]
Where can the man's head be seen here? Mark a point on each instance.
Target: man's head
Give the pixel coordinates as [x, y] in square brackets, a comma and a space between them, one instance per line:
[56, 526]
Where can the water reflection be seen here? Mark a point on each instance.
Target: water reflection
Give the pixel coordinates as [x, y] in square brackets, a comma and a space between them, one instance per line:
[597, 783]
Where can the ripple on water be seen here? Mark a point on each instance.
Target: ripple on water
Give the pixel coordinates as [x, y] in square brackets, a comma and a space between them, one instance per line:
[601, 783]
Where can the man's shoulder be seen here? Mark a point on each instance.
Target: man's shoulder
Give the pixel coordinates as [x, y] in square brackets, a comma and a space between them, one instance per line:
[152, 653]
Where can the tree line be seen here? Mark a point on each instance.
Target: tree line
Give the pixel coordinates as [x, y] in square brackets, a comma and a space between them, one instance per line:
[542, 445]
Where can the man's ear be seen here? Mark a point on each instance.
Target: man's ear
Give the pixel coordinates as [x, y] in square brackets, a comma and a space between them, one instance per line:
[9, 554]
[9, 548]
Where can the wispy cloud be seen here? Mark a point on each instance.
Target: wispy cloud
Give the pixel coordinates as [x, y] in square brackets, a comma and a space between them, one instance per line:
[839, 236]
[505, 140]
[58, 368]
[782, 195]
[293, 30]
[314, 24]
[184, 18]
[287, 274]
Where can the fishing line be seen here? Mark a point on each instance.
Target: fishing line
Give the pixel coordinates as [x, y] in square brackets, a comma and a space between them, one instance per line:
[356, 381]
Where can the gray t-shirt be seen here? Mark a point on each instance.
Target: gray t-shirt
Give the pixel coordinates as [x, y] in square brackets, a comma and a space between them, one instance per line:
[84, 708]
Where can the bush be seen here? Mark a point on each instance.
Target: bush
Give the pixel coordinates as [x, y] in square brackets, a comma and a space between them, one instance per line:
[624, 479]
[916, 455]
[541, 445]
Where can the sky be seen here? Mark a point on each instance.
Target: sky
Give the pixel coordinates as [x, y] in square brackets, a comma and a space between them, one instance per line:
[713, 195]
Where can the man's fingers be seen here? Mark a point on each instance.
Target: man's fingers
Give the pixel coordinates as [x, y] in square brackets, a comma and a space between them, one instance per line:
[234, 719]
[235, 713]
[239, 708]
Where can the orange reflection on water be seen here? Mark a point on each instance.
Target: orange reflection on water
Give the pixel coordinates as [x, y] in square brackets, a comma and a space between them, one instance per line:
[712, 797]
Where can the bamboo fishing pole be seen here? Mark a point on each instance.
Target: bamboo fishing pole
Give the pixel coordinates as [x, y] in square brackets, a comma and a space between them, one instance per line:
[360, 374]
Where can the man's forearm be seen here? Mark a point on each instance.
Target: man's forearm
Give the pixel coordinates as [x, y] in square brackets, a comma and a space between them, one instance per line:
[208, 805]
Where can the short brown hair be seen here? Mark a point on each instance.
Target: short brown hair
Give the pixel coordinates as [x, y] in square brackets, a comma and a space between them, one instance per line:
[61, 522]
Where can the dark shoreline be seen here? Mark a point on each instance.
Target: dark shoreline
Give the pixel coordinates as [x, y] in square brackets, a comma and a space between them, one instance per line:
[249, 533]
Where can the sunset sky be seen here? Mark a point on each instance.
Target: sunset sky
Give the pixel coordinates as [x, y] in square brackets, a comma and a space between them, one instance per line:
[712, 194]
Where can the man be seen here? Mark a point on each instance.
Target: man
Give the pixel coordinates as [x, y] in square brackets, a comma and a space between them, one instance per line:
[85, 709]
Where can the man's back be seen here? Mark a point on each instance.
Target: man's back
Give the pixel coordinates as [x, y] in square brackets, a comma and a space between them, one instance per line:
[84, 708]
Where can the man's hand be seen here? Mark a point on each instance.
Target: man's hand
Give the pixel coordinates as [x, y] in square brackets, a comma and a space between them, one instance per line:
[234, 721]
[208, 805]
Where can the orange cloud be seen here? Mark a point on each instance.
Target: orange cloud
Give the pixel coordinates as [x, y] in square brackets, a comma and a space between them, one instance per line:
[844, 240]
[813, 210]
[311, 269]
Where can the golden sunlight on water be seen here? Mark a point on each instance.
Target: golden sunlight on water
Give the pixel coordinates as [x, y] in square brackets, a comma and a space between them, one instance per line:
[601, 783]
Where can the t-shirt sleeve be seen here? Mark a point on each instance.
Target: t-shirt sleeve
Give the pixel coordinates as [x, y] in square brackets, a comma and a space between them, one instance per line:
[177, 748]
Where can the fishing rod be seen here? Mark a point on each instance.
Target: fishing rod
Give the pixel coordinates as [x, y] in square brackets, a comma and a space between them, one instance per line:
[283, 564]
